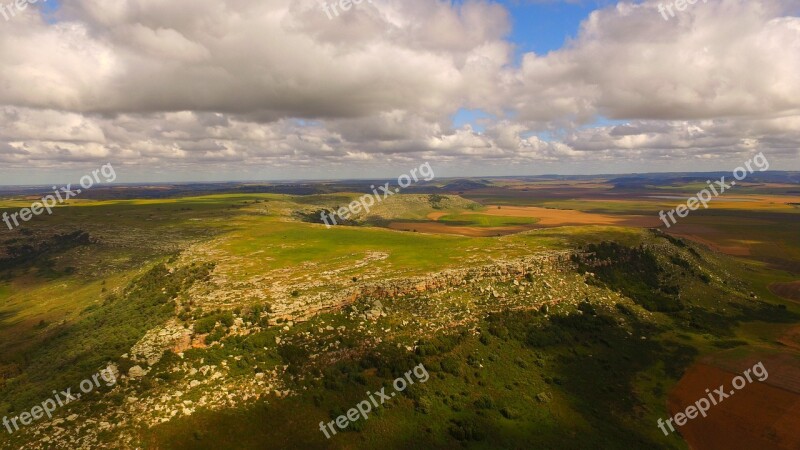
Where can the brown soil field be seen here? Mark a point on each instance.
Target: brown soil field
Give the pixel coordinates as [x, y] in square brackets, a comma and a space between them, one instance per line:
[441, 228]
[732, 250]
[783, 367]
[548, 218]
[561, 217]
[709, 237]
[758, 201]
[789, 291]
[791, 338]
[762, 415]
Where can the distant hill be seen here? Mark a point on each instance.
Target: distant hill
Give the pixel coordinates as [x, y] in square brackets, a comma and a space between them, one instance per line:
[466, 185]
[641, 180]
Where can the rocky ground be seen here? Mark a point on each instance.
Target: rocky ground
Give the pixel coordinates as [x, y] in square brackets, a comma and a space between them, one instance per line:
[397, 309]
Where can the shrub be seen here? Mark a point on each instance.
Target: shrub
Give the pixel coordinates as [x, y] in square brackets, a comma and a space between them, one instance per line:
[215, 335]
[485, 402]
[451, 365]
[462, 430]
[509, 413]
[205, 325]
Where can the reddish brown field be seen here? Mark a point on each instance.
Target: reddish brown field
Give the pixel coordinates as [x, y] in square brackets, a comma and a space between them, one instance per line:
[791, 338]
[699, 237]
[548, 218]
[441, 228]
[789, 291]
[561, 217]
[762, 415]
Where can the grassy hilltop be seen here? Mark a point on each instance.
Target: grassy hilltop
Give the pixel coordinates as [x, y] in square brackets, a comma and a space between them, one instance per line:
[236, 319]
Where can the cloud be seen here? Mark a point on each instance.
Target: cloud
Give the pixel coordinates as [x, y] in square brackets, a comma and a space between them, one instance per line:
[732, 58]
[203, 84]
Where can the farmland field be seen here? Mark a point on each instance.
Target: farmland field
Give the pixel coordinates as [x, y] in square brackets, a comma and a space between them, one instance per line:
[239, 318]
[394, 224]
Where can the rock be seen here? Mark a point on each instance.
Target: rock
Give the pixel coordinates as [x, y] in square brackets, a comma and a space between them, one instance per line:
[155, 342]
[136, 372]
[113, 370]
[376, 312]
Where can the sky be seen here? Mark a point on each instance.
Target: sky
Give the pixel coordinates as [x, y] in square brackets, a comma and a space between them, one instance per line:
[203, 90]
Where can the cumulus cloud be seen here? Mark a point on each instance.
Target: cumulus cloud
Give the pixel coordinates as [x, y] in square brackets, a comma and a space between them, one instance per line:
[202, 84]
[732, 58]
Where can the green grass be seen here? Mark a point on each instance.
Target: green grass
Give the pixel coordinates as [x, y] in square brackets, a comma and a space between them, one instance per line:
[103, 333]
[484, 221]
[485, 378]
[481, 392]
[269, 244]
[484, 385]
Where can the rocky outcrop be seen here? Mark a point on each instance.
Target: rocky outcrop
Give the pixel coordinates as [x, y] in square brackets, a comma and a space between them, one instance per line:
[154, 343]
[499, 272]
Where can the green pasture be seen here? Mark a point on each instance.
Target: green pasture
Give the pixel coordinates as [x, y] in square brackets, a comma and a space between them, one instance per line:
[485, 221]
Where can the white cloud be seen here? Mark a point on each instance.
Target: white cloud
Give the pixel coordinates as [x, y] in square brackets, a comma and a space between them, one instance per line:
[207, 84]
